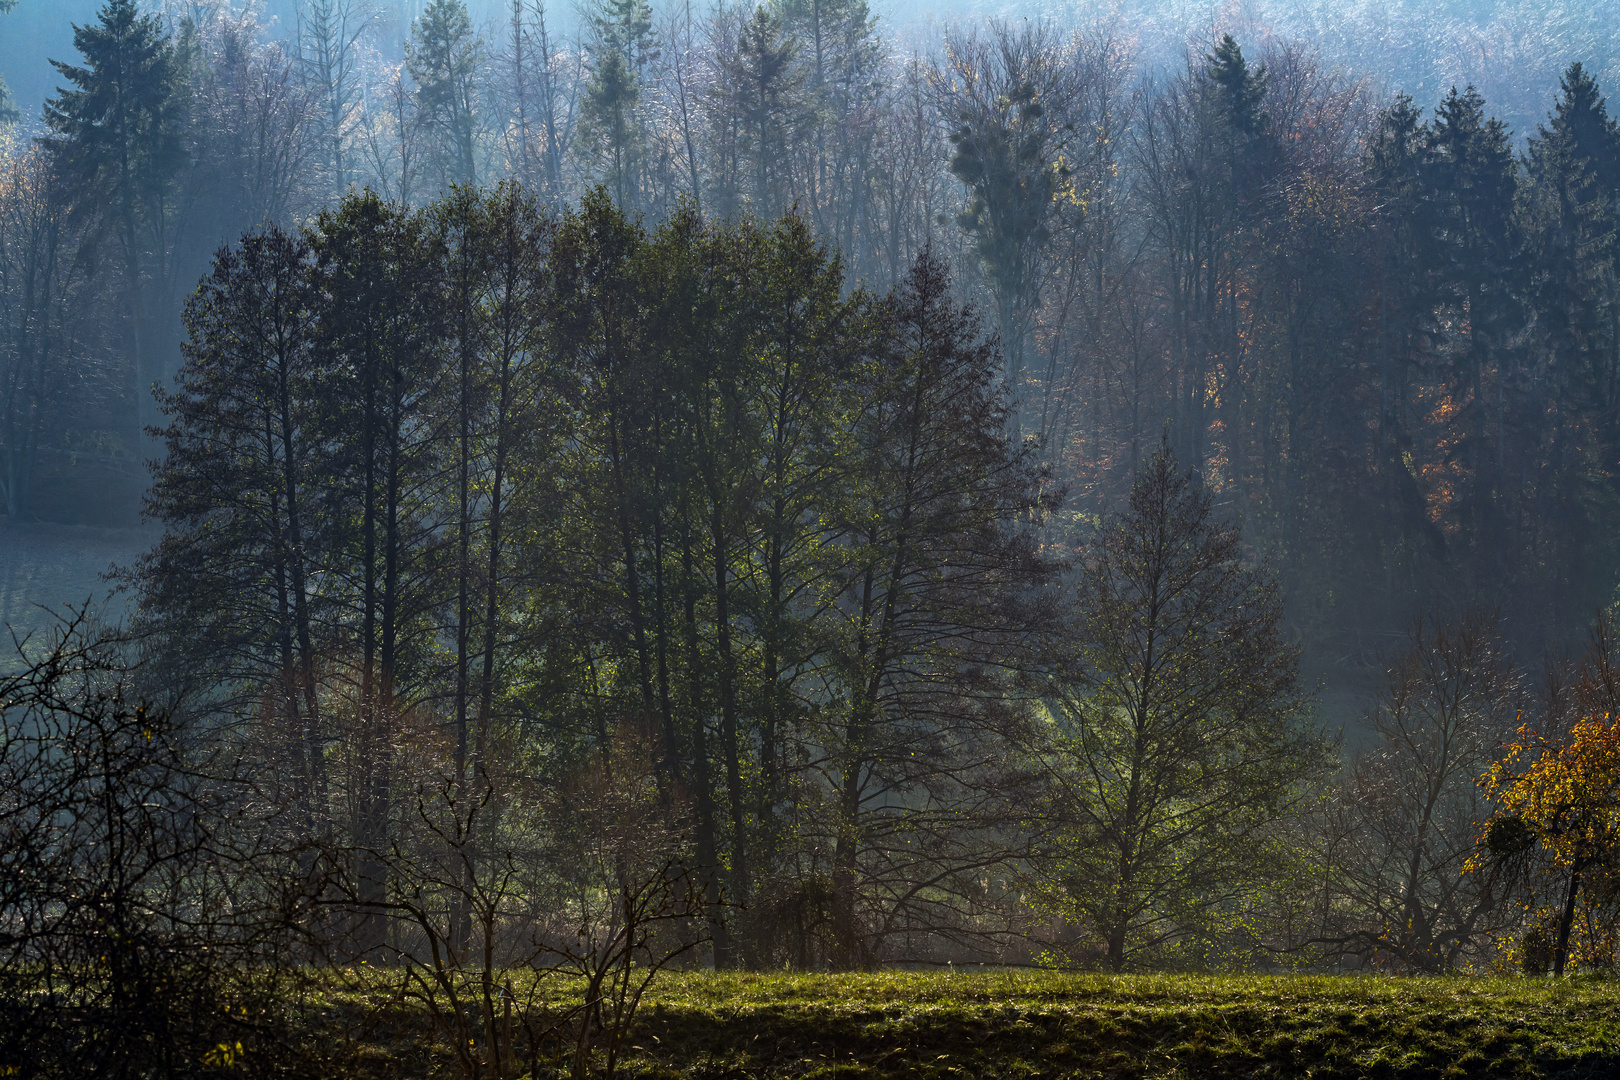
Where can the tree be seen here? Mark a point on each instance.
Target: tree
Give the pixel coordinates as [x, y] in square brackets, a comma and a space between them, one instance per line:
[1179, 727]
[8, 107]
[1567, 218]
[378, 336]
[765, 88]
[117, 140]
[1557, 819]
[328, 32]
[54, 361]
[1473, 181]
[610, 121]
[931, 593]
[445, 58]
[229, 595]
[1448, 702]
[1006, 100]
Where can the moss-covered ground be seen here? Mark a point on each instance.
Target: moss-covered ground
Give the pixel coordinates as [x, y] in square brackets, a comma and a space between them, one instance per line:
[955, 1026]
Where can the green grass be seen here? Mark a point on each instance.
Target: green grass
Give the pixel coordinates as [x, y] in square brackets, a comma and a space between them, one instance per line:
[949, 1026]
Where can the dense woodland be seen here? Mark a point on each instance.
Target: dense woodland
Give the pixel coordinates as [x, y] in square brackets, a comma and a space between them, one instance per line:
[737, 492]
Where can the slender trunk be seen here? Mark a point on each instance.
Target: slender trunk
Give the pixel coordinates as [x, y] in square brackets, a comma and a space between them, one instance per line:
[461, 933]
[370, 867]
[1566, 920]
[315, 750]
[707, 854]
[728, 711]
[632, 578]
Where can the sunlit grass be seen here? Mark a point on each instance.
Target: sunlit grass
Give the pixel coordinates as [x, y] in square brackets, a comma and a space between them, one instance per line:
[1025, 1024]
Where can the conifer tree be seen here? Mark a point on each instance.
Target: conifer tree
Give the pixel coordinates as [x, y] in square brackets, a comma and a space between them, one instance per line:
[1473, 185]
[445, 58]
[610, 121]
[8, 107]
[767, 88]
[117, 137]
[1568, 217]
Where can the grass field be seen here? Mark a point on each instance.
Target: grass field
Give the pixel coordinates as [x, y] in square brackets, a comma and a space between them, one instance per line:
[950, 1026]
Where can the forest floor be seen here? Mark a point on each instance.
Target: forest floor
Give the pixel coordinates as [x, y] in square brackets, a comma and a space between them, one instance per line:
[956, 1026]
[48, 569]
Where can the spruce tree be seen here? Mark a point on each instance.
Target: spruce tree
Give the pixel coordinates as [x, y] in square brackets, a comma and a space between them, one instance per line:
[610, 123]
[1473, 187]
[117, 141]
[1568, 217]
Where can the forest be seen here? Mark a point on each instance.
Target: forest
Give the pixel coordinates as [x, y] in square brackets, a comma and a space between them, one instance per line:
[738, 489]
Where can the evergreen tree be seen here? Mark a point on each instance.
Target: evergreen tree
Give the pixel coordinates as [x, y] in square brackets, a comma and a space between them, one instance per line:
[8, 107]
[1473, 186]
[445, 58]
[609, 128]
[1407, 300]
[610, 121]
[1568, 217]
[767, 87]
[117, 139]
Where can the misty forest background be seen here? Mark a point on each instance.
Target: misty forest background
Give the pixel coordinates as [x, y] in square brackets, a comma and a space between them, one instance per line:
[1099, 488]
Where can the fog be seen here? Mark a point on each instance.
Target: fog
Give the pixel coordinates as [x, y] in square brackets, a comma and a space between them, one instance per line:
[1512, 51]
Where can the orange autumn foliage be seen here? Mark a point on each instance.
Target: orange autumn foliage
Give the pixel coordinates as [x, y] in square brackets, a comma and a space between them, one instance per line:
[1568, 794]
[1558, 806]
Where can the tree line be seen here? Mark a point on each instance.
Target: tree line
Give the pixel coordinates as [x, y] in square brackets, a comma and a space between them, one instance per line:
[476, 497]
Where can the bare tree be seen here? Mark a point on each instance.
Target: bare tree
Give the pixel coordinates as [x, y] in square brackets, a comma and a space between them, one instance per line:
[328, 63]
[1450, 700]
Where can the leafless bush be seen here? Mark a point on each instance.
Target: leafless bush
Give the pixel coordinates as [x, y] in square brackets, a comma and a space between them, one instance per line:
[144, 911]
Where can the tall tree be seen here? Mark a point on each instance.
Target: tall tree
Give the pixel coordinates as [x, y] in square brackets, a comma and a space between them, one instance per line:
[379, 336]
[611, 123]
[1473, 183]
[1005, 97]
[231, 591]
[1181, 726]
[328, 62]
[445, 57]
[117, 137]
[8, 107]
[932, 597]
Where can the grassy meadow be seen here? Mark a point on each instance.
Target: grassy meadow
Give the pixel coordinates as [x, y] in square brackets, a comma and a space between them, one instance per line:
[954, 1026]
